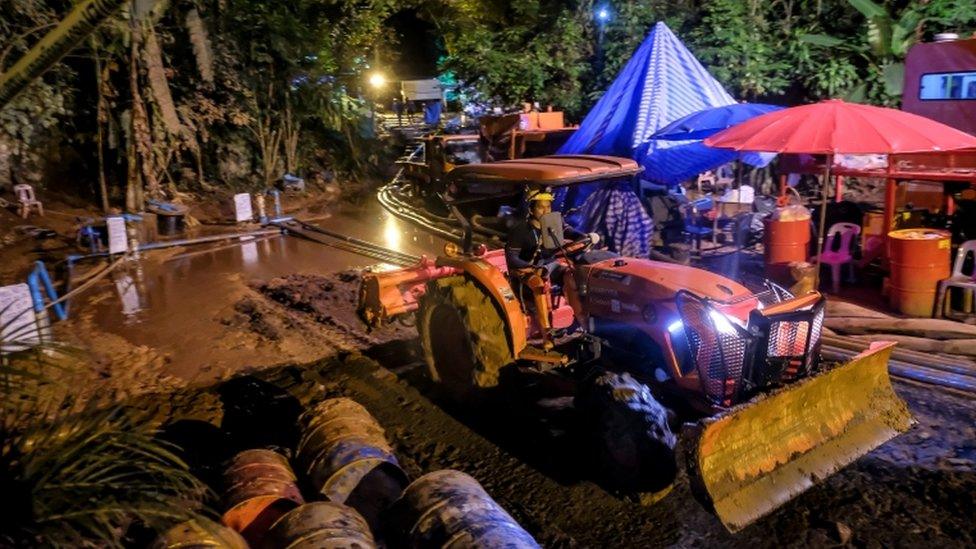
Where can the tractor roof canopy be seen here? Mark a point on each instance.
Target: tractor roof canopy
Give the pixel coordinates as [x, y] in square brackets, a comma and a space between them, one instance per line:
[509, 176]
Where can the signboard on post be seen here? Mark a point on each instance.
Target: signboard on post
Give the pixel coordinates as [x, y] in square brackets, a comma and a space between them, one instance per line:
[18, 325]
[242, 207]
[422, 90]
[118, 242]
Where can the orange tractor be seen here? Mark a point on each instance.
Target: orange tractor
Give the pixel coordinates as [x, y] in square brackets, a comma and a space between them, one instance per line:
[764, 419]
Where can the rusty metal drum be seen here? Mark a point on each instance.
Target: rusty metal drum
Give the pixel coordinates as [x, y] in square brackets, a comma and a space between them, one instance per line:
[450, 509]
[199, 533]
[785, 242]
[320, 525]
[918, 260]
[260, 487]
[342, 446]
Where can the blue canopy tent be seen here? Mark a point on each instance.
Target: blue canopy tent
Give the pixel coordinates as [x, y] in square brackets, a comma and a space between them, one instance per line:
[661, 83]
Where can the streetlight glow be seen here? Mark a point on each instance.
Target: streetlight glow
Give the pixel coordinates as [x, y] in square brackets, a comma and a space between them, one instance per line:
[377, 80]
[603, 14]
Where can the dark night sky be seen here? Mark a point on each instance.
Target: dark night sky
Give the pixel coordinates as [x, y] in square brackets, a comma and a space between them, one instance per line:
[418, 47]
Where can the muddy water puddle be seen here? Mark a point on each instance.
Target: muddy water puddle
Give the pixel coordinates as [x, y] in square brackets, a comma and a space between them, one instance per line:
[180, 301]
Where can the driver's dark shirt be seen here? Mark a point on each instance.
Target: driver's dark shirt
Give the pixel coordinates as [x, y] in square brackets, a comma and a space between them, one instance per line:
[522, 245]
[523, 242]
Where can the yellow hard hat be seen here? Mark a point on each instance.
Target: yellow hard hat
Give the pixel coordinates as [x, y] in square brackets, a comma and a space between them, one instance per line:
[540, 194]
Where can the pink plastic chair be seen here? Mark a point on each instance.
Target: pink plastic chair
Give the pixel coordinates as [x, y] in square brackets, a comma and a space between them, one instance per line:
[837, 258]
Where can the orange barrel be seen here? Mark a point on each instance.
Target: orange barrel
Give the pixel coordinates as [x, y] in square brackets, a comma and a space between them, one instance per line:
[785, 242]
[260, 488]
[918, 260]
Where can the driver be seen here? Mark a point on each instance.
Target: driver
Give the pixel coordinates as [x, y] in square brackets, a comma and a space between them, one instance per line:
[530, 264]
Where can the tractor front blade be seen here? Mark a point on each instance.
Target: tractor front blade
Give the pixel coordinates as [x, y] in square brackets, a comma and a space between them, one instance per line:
[749, 460]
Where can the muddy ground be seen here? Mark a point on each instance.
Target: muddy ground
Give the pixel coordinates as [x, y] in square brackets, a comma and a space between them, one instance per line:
[916, 491]
[277, 343]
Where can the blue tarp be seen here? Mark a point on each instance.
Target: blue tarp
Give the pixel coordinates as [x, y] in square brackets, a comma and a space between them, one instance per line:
[661, 83]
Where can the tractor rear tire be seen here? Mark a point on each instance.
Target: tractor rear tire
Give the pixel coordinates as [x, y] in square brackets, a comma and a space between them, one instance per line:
[463, 336]
[632, 440]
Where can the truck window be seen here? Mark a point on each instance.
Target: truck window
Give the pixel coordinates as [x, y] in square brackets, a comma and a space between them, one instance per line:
[947, 86]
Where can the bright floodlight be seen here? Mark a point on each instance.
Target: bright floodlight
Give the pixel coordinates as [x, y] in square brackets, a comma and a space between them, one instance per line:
[603, 14]
[377, 80]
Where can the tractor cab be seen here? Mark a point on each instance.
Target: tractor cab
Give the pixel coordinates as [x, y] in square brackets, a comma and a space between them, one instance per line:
[490, 196]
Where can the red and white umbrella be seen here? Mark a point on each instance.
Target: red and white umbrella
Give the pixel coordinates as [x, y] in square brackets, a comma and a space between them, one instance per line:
[837, 127]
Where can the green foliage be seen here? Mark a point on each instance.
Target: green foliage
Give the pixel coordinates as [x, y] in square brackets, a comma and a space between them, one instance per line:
[525, 51]
[79, 475]
[733, 41]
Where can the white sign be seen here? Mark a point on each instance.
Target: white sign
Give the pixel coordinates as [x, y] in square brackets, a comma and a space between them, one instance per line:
[242, 207]
[17, 320]
[118, 243]
[249, 251]
[129, 295]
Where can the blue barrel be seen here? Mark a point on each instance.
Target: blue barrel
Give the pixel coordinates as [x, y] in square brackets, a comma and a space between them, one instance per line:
[345, 455]
[450, 509]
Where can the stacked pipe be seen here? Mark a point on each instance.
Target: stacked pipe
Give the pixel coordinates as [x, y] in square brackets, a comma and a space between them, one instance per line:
[260, 489]
[199, 533]
[344, 458]
[449, 509]
[923, 344]
[345, 455]
[320, 524]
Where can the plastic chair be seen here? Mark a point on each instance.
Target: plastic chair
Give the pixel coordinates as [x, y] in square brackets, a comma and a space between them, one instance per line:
[27, 200]
[842, 255]
[692, 211]
[958, 279]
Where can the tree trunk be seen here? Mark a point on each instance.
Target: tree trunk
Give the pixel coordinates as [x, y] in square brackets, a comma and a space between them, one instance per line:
[101, 116]
[158, 83]
[6, 152]
[141, 134]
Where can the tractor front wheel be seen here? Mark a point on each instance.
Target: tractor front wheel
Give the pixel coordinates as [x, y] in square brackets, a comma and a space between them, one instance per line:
[463, 337]
[632, 440]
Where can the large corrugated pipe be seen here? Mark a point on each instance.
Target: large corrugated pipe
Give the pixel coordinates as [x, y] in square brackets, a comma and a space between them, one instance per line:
[199, 533]
[449, 509]
[260, 487]
[321, 524]
[344, 452]
[79, 23]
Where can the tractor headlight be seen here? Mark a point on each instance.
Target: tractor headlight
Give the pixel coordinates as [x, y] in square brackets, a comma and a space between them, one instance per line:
[723, 323]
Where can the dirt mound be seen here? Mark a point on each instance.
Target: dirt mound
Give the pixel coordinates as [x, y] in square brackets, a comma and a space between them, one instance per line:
[328, 299]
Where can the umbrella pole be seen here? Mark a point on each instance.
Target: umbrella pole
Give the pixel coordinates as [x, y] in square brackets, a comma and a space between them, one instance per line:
[823, 220]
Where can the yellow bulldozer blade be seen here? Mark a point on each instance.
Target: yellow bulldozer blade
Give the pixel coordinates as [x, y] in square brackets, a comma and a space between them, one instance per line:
[746, 462]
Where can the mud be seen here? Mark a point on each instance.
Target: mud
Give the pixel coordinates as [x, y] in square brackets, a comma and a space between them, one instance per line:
[207, 355]
[916, 490]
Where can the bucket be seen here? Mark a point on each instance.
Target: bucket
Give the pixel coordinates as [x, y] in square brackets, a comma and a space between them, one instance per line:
[198, 534]
[170, 219]
[320, 524]
[918, 260]
[785, 242]
[260, 488]
[449, 509]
